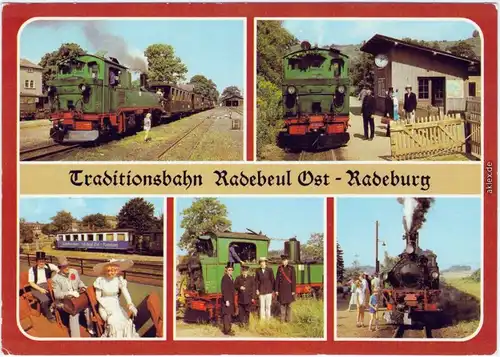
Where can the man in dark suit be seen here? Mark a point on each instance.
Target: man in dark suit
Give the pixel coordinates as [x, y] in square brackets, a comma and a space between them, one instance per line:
[228, 292]
[368, 109]
[245, 286]
[264, 283]
[285, 288]
[410, 104]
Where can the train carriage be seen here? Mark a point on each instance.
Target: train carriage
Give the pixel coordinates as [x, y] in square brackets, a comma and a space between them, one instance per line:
[201, 273]
[315, 98]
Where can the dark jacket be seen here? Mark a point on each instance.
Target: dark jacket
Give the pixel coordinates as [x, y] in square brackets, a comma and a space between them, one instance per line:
[228, 292]
[410, 103]
[389, 107]
[264, 282]
[245, 296]
[285, 284]
[368, 106]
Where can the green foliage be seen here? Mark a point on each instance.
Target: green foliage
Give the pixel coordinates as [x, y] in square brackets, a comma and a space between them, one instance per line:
[63, 221]
[313, 249]
[230, 91]
[204, 86]
[340, 264]
[462, 49]
[136, 83]
[475, 33]
[49, 229]
[273, 41]
[362, 72]
[51, 59]
[95, 221]
[205, 214]
[137, 214]
[269, 113]
[431, 44]
[26, 234]
[164, 65]
[476, 276]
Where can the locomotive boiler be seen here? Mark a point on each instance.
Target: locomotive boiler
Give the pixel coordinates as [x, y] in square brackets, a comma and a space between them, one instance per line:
[200, 274]
[315, 98]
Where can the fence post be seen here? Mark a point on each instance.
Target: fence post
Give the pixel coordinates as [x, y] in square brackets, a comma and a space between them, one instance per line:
[467, 129]
[81, 266]
[29, 263]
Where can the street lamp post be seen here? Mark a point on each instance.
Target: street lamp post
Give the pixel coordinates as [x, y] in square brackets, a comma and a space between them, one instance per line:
[377, 241]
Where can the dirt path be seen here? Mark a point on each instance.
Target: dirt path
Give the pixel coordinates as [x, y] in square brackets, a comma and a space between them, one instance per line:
[184, 330]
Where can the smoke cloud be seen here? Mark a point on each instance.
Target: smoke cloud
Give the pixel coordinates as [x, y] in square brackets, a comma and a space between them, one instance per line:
[101, 40]
[414, 212]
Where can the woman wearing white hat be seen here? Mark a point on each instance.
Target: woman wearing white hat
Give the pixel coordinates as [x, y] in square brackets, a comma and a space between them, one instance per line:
[108, 286]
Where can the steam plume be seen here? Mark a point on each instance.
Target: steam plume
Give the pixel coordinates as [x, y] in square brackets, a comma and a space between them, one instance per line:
[101, 40]
[414, 212]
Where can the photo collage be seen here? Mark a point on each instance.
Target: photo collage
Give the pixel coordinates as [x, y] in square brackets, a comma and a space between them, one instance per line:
[203, 88]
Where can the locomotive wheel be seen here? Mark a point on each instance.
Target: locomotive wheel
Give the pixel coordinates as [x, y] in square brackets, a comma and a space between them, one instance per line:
[427, 332]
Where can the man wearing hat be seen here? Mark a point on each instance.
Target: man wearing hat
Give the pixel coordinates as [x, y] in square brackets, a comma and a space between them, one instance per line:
[68, 285]
[368, 109]
[410, 104]
[38, 277]
[245, 286]
[264, 285]
[228, 292]
[285, 288]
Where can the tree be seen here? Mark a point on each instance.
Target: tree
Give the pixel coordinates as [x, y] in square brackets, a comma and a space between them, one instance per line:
[433, 44]
[388, 262]
[49, 229]
[136, 84]
[164, 65]
[25, 232]
[269, 112]
[273, 42]
[362, 71]
[160, 222]
[51, 59]
[313, 249]
[63, 221]
[93, 221]
[475, 33]
[340, 264]
[204, 215]
[204, 86]
[462, 49]
[137, 214]
[230, 91]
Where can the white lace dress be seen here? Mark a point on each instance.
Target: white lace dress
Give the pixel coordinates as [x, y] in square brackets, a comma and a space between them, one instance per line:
[118, 324]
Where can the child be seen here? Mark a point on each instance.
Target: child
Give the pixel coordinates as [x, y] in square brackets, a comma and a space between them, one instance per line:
[360, 302]
[373, 310]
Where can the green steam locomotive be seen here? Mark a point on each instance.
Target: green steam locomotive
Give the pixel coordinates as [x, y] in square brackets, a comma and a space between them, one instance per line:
[92, 97]
[315, 98]
[200, 274]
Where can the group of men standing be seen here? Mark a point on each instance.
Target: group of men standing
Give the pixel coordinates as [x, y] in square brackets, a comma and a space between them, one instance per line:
[369, 105]
[264, 284]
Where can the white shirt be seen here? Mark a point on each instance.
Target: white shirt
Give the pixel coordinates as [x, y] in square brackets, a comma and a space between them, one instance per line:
[147, 123]
[41, 274]
[375, 283]
[364, 285]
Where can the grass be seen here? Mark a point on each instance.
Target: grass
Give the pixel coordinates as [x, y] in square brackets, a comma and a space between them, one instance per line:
[466, 285]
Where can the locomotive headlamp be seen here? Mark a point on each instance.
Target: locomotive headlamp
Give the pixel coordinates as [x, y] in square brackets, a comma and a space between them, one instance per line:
[82, 87]
[409, 249]
[341, 89]
[291, 90]
[435, 275]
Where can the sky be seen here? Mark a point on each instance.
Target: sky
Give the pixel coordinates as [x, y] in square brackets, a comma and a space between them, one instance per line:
[350, 32]
[452, 230]
[276, 217]
[213, 48]
[42, 209]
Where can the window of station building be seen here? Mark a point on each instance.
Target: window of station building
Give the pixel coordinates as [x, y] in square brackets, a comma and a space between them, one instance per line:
[100, 237]
[247, 252]
[472, 89]
[423, 88]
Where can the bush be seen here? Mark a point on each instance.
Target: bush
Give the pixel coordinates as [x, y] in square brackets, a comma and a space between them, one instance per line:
[269, 113]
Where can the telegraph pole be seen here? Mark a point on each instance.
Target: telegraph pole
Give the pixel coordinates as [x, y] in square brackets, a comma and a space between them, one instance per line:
[377, 265]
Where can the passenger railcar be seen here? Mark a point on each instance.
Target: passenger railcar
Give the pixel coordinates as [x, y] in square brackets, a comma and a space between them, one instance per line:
[315, 98]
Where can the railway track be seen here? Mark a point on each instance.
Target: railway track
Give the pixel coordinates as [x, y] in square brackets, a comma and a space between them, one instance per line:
[205, 124]
[327, 155]
[40, 152]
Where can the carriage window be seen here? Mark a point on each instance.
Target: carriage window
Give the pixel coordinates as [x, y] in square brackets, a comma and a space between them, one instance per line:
[109, 237]
[100, 237]
[247, 252]
[67, 237]
[121, 237]
[337, 66]
[90, 237]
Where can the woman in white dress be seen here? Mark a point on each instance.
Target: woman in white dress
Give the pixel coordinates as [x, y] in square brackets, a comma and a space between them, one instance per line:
[108, 287]
[360, 302]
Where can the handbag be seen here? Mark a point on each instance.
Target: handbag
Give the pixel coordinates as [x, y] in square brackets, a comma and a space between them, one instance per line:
[75, 305]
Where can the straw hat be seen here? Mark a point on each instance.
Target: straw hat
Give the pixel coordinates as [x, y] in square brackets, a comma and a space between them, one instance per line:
[122, 264]
[262, 259]
[408, 86]
[62, 261]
